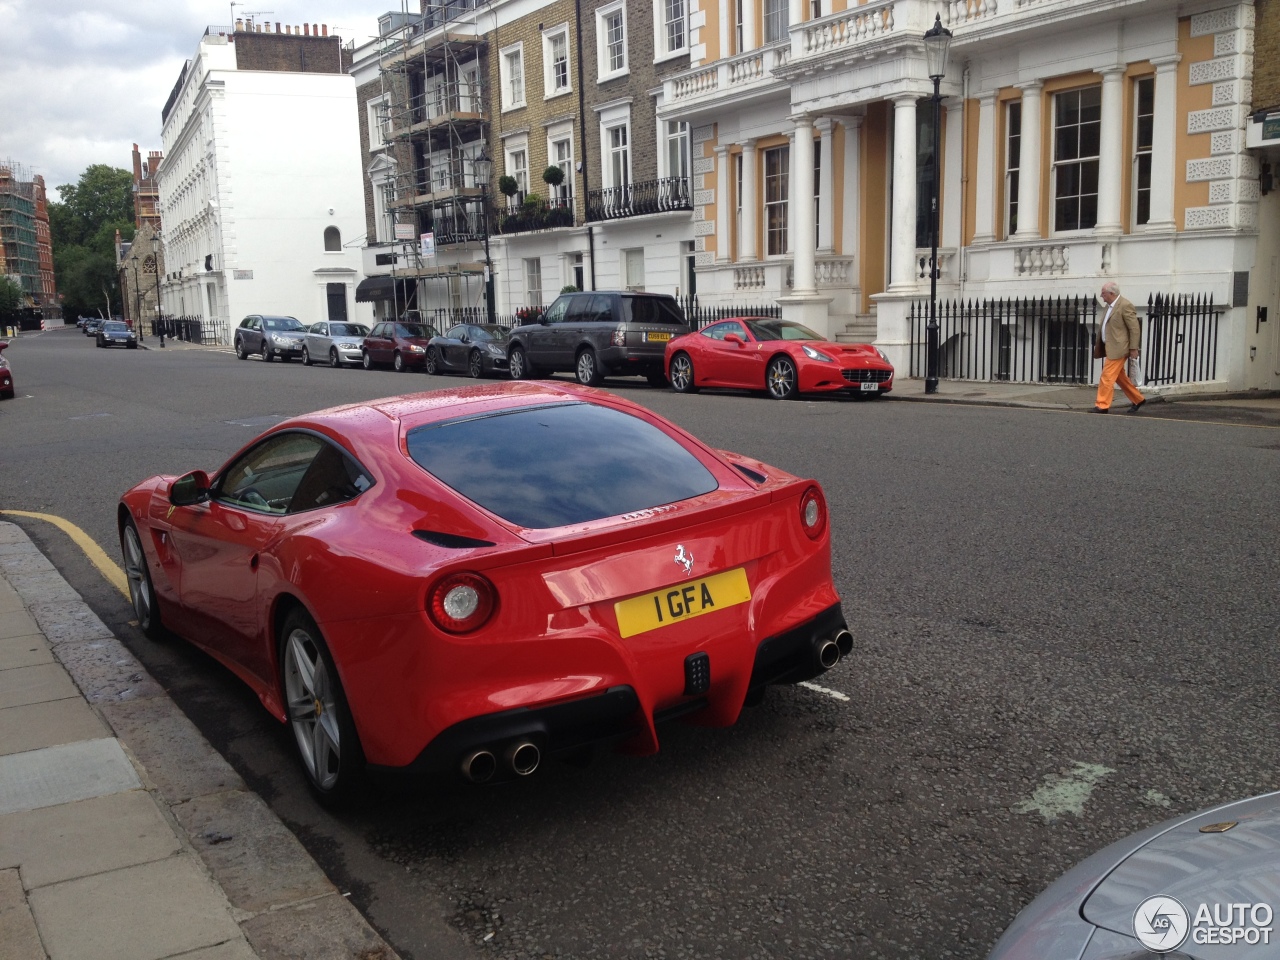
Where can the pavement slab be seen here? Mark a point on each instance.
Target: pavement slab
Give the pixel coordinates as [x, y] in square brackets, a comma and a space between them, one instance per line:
[24, 651]
[70, 840]
[63, 774]
[48, 724]
[143, 912]
[318, 930]
[35, 684]
[17, 623]
[19, 938]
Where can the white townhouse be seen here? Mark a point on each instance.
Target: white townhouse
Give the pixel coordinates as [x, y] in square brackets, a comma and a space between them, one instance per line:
[260, 186]
[1081, 141]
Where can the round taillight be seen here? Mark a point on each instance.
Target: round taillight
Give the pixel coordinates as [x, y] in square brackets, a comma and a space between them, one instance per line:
[813, 513]
[461, 602]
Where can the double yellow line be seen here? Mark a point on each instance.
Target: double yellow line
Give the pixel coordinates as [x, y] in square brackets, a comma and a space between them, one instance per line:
[97, 556]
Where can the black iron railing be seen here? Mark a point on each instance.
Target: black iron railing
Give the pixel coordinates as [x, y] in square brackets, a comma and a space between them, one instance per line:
[1180, 339]
[1045, 339]
[539, 215]
[699, 315]
[637, 199]
[191, 329]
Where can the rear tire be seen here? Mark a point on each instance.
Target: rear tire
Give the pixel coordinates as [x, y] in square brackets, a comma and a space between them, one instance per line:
[475, 365]
[241, 352]
[142, 594]
[682, 374]
[366, 359]
[587, 369]
[316, 706]
[306, 357]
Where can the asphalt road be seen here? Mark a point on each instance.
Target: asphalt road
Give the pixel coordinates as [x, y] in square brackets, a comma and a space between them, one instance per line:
[1066, 631]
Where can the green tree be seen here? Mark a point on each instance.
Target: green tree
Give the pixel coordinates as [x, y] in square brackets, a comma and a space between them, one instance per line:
[11, 298]
[83, 230]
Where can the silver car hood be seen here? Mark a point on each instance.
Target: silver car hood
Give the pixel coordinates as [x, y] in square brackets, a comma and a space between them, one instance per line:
[1240, 865]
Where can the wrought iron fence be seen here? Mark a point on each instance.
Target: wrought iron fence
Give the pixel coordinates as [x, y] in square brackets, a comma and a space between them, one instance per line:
[700, 315]
[1050, 339]
[636, 199]
[1180, 339]
[191, 329]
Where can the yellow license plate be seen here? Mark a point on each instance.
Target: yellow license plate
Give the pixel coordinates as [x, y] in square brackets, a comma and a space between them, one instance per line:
[681, 602]
[657, 337]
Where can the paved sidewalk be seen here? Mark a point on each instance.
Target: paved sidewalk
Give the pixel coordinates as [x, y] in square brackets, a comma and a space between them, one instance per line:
[123, 834]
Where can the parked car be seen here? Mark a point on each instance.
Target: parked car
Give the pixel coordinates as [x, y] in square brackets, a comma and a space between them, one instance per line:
[555, 568]
[91, 325]
[113, 332]
[783, 358]
[476, 349]
[398, 342]
[1206, 885]
[7, 389]
[334, 342]
[275, 338]
[598, 334]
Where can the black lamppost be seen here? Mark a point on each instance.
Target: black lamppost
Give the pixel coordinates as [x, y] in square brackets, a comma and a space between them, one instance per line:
[937, 44]
[483, 167]
[137, 300]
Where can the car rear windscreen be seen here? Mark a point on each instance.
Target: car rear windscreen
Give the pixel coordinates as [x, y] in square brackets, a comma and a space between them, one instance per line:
[653, 310]
[558, 464]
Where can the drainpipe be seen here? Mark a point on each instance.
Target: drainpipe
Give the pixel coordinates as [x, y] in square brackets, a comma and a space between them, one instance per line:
[962, 250]
[582, 140]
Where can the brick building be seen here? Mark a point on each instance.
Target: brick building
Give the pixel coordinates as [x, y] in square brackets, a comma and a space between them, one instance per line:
[146, 194]
[26, 249]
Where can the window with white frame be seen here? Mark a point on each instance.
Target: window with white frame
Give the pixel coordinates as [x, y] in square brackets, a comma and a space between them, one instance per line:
[671, 19]
[471, 98]
[739, 25]
[560, 151]
[817, 193]
[518, 168]
[611, 40]
[555, 59]
[1144, 115]
[618, 155]
[815, 9]
[512, 66]
[776, 20]
[533, 281]
[676, 134]
[1077, 139]
[378, 122]
[777, 164]
[1012, 165]
[633, 268]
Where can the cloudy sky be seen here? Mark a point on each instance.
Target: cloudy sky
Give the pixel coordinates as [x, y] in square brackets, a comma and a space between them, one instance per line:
[81, 81]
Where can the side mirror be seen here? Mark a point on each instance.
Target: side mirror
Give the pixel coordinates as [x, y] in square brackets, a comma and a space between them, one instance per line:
[733, 338]
[193, 488]
[4, 345]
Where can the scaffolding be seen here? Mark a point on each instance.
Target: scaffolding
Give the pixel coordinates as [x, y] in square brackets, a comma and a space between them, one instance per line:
[18, 232]
[434, 71]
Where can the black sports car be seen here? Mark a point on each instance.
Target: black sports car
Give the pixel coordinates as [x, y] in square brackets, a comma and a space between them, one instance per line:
[477, 349]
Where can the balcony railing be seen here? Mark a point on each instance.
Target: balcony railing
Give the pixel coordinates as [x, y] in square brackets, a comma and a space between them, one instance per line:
[637, 199]
[538, 215]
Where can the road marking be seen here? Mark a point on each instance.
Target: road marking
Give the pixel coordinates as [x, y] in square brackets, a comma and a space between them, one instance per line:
[829, 692]
[1064, 792]
[97, 556]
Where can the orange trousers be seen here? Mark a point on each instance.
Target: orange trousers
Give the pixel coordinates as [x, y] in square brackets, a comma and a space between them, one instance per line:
[1113, 373]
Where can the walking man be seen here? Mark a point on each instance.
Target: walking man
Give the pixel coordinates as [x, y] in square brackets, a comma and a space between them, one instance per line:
[1121, 337]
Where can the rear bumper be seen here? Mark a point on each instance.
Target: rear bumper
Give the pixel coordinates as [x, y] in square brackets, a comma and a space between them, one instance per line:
[628, 361]
[616, 714]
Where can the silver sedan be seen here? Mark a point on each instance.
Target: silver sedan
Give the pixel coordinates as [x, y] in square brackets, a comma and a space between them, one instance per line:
[333, 342]
[1205, 885]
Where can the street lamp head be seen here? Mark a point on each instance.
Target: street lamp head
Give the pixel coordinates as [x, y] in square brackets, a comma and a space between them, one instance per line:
[937, 44]
[483, 167]
[155, 244]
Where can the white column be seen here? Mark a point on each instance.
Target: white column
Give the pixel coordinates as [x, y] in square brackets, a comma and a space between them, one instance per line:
[1029, 163]
[795, 11]
[791, 193]
[724, 200]
[826, 186]
[902, 223]
[725, 13]
[1164, 142]
[804, 280]
[1111, 152]
[748, 24]
[952, 173]
[985, 172]
[749, 226]
[851, 176]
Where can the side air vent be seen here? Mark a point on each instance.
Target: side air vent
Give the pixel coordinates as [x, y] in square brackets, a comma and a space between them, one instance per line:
[750, 474]
[450, 540]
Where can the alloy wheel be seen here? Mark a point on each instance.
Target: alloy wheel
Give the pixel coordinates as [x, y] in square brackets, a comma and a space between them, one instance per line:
[780, 379]
[476, 366]
[682, 373]
[313, 708]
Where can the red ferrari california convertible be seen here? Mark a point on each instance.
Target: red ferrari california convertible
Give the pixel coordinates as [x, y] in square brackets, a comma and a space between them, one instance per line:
[474, 579]
[778, 356]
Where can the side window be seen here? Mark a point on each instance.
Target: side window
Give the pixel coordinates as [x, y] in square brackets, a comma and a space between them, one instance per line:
[266, 478]
[580, 310]
[456, 333]
[332, 478]
[556, 313]
[734, 328]
[715, 332]
[379, 330]
[320, 328]
[601, 309]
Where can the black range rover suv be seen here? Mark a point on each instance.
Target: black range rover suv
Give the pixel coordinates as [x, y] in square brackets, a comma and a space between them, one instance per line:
[598, 334]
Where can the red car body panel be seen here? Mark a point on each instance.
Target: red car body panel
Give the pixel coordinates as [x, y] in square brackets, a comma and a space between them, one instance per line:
[742, 365]
[222, 577]
[7, 388]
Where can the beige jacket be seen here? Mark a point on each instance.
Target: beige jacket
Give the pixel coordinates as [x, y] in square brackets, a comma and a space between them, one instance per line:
[1123, 332]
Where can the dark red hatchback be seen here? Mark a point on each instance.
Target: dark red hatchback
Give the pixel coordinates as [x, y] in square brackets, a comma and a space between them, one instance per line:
[398, 342]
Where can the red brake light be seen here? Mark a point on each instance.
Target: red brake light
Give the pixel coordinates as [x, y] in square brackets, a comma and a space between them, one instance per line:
[461, 602]
[813, 512]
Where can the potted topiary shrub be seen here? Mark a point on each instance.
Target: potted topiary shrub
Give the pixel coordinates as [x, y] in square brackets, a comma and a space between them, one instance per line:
[569, 288]
[553, 176]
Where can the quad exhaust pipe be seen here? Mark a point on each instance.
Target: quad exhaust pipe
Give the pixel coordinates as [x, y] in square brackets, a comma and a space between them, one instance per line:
[521, 758]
